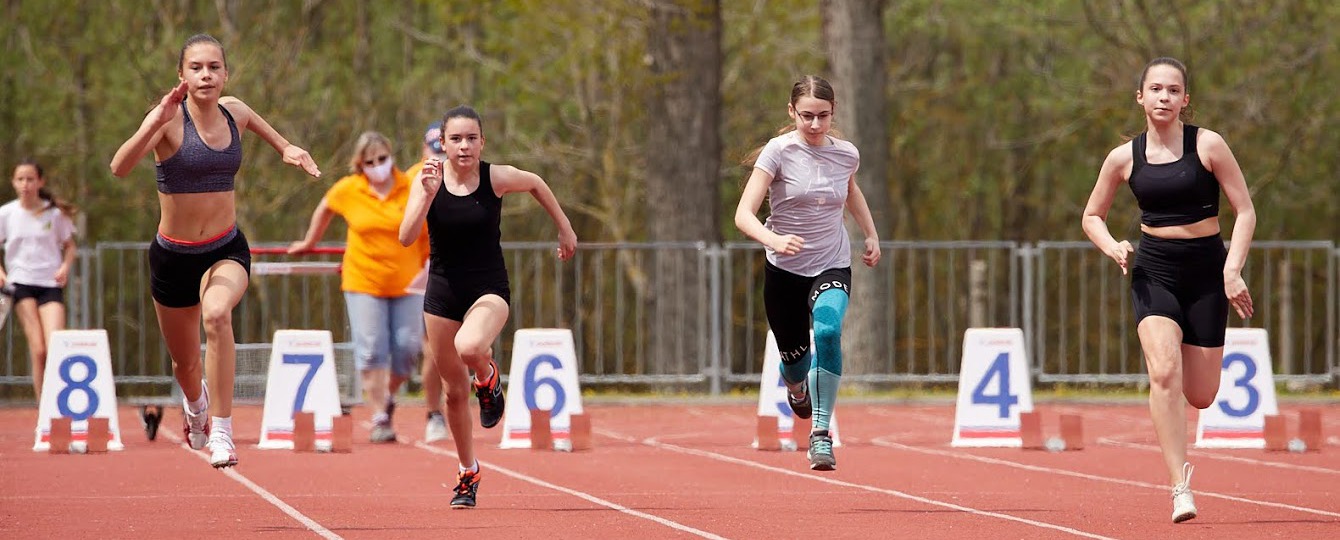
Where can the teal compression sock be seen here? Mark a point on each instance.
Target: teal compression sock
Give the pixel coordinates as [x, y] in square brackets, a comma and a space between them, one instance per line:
[829, 310]
[824, 393]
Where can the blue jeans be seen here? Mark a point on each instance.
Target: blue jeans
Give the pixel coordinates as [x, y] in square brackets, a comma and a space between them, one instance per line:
[388, 332]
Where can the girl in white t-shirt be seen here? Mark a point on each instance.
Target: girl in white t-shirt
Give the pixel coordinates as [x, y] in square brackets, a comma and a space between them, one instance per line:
[808, 176]
[38, 239]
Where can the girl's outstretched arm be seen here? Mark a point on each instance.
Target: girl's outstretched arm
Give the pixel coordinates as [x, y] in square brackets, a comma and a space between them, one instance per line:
[508, 179]
[250, 120]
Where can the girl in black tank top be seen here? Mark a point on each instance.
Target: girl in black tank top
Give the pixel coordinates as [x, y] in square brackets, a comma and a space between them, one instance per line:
[1181, 286]
[465, 303]
[465, 232]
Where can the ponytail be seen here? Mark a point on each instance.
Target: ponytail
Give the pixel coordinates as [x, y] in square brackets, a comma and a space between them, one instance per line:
[752, 156]
[65, 207]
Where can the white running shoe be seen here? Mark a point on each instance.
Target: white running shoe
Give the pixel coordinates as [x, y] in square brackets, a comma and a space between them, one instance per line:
[436, 428]
[1184, 506]
[196, 425]
[382, 433]
[222, 453]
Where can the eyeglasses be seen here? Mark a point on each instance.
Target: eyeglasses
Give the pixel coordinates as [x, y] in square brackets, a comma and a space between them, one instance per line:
[376, 161]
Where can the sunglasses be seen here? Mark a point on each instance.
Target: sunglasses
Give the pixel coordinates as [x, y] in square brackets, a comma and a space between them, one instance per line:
[376, 161]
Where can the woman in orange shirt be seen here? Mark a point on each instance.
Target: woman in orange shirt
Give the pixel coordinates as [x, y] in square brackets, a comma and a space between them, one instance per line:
[384, 318]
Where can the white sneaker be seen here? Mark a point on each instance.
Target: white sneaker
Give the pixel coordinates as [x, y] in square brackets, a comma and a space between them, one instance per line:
[436, 429]
[382, 433]
[196, 425]
[1184, 505]
[222, 453]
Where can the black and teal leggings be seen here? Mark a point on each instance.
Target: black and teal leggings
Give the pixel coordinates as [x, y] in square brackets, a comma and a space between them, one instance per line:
[794, 305]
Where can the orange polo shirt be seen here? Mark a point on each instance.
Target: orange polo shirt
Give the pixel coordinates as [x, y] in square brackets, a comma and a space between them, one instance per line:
[413, 170]
[374, 261]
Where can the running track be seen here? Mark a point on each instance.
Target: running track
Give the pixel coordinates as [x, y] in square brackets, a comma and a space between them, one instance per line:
[671, 471]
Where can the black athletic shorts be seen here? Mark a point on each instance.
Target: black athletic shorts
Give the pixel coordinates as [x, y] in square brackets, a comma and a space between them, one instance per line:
[43, 295]
[175, 269]
[451, 298]
[1183, 280]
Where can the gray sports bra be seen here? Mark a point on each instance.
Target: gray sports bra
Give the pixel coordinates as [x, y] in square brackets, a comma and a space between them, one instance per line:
[197, 168]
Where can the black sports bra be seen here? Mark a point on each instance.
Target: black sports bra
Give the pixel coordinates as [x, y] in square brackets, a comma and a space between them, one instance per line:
[1177, 193]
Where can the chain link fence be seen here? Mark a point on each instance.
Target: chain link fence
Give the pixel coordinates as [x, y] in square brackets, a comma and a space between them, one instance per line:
[689, 316]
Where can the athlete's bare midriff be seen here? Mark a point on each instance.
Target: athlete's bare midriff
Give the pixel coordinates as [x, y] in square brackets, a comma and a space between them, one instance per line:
[1200, 229]
[195, 217]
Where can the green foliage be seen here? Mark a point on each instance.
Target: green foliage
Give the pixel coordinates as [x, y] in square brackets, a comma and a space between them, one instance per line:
[1001, 112]
[1013, 106]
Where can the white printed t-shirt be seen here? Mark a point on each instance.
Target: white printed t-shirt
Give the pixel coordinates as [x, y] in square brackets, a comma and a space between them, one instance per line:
[33, 243]
[807, 196]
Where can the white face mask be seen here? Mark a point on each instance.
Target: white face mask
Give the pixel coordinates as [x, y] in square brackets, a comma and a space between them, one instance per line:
[380, 173]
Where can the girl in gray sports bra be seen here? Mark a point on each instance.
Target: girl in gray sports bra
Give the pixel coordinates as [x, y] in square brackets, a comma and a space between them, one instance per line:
[209, 241]
[197, 168]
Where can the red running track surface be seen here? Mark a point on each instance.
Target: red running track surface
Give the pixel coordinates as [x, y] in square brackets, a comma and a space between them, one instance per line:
[670, 470]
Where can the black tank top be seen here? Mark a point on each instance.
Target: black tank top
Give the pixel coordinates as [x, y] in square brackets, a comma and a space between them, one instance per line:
[1177, 193]
[465, 232]
[197, 168]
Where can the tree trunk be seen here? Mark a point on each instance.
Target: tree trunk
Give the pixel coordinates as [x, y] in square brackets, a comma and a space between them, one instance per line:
[363, 64]
[683, 162]
[853, 35]
[227, 13]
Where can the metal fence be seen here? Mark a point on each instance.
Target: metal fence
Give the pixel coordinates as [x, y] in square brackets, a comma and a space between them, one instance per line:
[917, 302]
[690, 315]
[1081, 327]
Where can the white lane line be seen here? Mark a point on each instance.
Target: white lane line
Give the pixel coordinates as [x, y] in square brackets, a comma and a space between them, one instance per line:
[292, 512]
[581, 495]
[652, 442]
[884, 442]
[1116, 441]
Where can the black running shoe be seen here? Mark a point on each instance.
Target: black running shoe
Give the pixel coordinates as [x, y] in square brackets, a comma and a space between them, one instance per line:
[467, 487]
[152, 415]
[490, 396]
[800, 407]
[821, 452]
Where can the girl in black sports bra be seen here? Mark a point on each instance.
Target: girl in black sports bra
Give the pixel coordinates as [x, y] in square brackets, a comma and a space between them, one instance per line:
[199, 261]
[466, 302]
[1182, 279]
